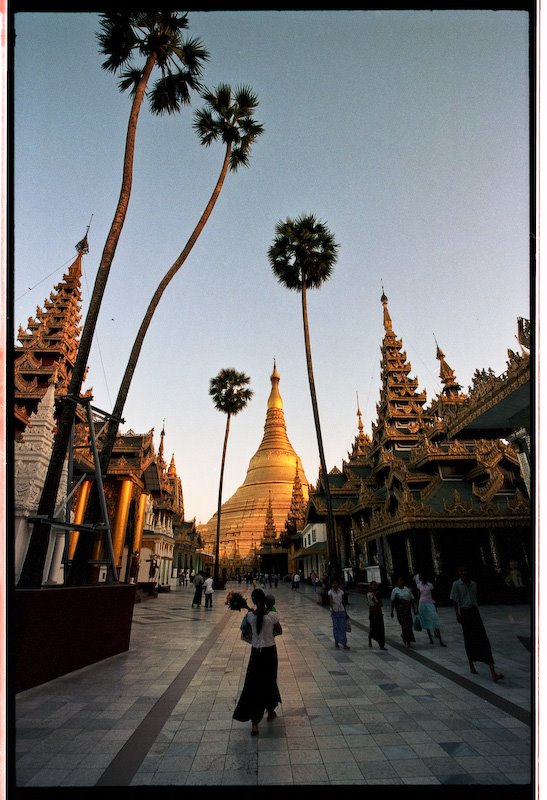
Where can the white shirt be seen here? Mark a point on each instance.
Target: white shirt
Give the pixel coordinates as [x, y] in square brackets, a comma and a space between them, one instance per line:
[266, 637]
[208, 586]
[337, 599]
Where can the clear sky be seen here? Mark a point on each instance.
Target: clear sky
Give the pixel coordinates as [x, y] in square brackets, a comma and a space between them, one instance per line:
[405, 132]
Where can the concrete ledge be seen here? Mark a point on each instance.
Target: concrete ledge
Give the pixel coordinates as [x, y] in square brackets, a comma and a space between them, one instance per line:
[60, 629]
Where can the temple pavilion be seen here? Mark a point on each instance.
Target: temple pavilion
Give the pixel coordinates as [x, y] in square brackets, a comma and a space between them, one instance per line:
[439, 485]
[144, 497]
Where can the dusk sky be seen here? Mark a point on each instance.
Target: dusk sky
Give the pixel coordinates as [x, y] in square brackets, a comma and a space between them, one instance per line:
[405, 132]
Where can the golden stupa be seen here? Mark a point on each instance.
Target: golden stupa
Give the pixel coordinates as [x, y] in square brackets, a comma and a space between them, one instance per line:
[271, 475]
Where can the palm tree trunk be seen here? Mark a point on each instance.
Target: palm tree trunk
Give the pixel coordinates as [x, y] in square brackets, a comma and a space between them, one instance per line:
[334, 566]
[113, 425]
[83, 550]
[219, 505]
[33, 567]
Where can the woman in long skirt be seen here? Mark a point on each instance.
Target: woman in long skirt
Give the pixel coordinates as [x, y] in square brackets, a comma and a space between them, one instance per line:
[260, 691]
[338, 615]
[376, 629]
[427, 608]
[402, 600]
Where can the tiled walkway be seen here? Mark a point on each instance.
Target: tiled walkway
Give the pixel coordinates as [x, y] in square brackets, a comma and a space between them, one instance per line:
[161, 714]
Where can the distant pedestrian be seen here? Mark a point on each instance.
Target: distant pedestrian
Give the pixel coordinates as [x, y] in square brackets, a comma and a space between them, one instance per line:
[403, 601]
[427, 608]
[208, 591]
[276, 579]
[338, 615]
[376, 629]
[198, 584]
[477, 644]
[296, 580]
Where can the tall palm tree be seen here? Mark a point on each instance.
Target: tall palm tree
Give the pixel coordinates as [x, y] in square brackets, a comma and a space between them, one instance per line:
[230, 395]
[302, 257]
[228, 117]
[155, 36]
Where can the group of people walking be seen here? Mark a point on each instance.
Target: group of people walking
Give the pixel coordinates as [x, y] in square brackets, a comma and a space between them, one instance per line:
[260, 694]
[416, 610]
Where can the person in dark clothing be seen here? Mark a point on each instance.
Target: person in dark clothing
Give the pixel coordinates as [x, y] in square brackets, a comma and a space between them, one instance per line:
[260, 691]
[477, 644]
[376, 629]
[198, 583]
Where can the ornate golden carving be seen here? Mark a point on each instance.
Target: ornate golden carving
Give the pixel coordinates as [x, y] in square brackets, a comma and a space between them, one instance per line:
[458, 506]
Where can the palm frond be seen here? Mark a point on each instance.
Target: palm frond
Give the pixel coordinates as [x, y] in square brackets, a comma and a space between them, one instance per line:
[303, 250]
[129, 80]
[116, 38]
[172, 91]
[230, 392]
[206, 126]
[246, 100]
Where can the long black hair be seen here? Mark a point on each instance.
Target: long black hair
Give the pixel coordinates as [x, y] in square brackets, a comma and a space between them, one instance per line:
[259, 599]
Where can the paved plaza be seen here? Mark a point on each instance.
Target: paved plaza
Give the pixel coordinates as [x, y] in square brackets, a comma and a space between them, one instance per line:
[160, 715]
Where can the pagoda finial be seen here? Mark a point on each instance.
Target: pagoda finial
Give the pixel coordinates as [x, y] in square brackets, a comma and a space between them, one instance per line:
[446, 373]
[387, 319]
[82, 246]
[359, 414]
[160, 449]
[274, 400]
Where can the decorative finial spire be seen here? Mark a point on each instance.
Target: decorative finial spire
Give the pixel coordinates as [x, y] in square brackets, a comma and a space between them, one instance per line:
[274, 400]
[82, 246]
[387, 318]
[446, 373]
[359, 415]
[160, 449]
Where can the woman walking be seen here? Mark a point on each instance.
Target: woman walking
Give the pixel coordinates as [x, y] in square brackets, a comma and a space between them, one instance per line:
[260, 692]
[376, 629]
[338, 615]
[198, 583]
[427, 608]
[402, 600]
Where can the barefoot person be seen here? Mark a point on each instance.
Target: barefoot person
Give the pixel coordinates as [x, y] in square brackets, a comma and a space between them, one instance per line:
[477, 644]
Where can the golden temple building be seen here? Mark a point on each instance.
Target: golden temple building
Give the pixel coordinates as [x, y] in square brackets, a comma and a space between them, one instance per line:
[263, 502]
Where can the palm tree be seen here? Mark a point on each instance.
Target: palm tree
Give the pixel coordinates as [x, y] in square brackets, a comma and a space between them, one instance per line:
[227, 116]
[302, 257]
[230, 396]
[156, 36]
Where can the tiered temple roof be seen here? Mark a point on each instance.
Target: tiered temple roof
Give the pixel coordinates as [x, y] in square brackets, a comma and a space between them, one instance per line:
[49, 344]
[414, 475]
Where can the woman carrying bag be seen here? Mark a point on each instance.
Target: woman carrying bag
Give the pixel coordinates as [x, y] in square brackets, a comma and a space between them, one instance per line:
[260, 691]
[338, 615]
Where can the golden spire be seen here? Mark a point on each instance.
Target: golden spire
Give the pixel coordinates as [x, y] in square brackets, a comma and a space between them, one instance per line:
[270, 478]
[274, 400]
[387, 318]
[161, 460]
[446, 373]
[172, 468]
[359, 416]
